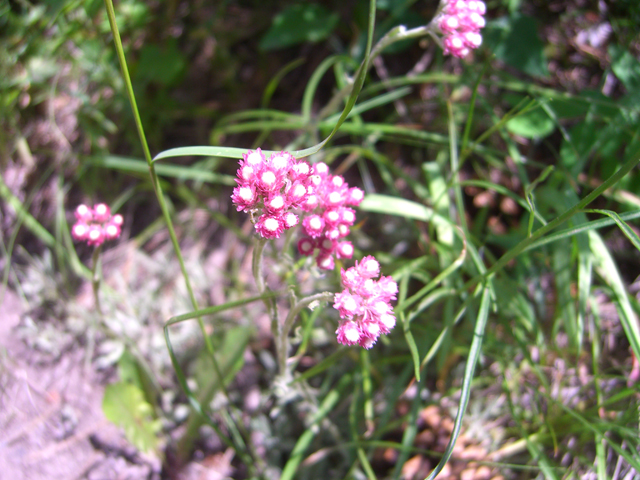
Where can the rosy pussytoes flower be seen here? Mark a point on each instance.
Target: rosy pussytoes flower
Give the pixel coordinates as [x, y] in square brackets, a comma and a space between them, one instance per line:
[270, 189]
[95, 225]
[365, 304]
[330, 217]
[460, 24]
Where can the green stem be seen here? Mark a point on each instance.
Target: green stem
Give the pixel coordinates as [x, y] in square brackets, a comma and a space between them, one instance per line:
[157, 187]
[257, 266]
[294, 311]
[95, 286]
[394, 35]
[95, 277]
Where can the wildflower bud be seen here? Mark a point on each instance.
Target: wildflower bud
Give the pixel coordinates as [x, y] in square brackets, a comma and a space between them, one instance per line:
[300, 170]
[325, 262]
[269, 226]
[327, 246]
[346, 304]
[313, 225]
[83, 213]
[306, 246]
[281, 161]
[80, 231]
[101, 213]
[355, 196]
[347, 216]
[111, 231]
[254, 158]
[311, 203]
[368, 267]
[268, 181]
[117, 220]
[331, 217]
[321, 169]
[244, 197]
[247, 173]
[348, 333]
[344, 250]
[460, 25]
[275, 203]
[95, 236]
[296, 194]
[290, 220]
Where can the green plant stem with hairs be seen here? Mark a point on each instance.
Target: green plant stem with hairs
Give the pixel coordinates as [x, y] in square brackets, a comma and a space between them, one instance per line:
[95, 287]
[240, 449]
[280, 330]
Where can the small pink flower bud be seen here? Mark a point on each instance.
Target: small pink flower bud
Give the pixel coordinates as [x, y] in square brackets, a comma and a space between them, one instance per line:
[275, 203]
[244, 197]
[281, 161]
[348, 333]
[313, 225]
[111, 231]
[290, 220]
[331, 217]
[80, 231]
[325, 262]
[254, 158]
[270, 226]
[327, 246]
[355, 196]
[321, 169]
[101, 213]
[306, 246]
[83, 213]
[95, 236]
[344, 250]
[368, 267]
[269, 181]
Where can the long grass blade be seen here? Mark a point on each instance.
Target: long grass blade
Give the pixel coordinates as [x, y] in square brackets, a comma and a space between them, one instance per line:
[472, 361]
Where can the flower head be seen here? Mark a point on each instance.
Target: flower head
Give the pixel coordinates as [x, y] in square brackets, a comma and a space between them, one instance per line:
[331, 216]
[95, 225]
[271, 188]
[460, 24]
[365, 304]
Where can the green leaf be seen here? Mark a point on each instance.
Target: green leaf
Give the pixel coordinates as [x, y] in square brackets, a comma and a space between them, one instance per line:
[124, 405]
[472, 361]
[625, 67]
[532, 124]
[515, 41]
[164, 65]
[296, 24]
[608, 270]
[626, 229]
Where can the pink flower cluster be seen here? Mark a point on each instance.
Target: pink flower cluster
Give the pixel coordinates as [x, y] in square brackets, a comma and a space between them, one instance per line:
[272, 188]
[460, 24]
[365, 304]
[95, 225]
[331, 220]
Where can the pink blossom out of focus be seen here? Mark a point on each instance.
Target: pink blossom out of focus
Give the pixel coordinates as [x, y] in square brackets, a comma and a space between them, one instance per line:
[95, 225]
[460, 24]
[365, 304]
